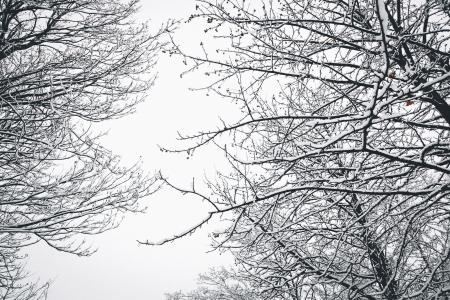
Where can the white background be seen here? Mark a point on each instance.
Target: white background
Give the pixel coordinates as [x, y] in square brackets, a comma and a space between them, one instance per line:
[121, 269]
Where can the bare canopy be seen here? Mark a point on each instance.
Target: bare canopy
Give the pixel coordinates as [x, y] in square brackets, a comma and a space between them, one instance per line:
[341, 157]
[65, 64]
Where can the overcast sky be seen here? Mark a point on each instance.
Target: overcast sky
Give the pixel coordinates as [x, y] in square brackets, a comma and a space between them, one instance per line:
[121, 269]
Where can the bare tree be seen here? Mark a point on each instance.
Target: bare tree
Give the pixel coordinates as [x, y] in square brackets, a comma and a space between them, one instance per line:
[341, 157]
[236, 283]
[64, 65]
[220, 284]
[15, 283]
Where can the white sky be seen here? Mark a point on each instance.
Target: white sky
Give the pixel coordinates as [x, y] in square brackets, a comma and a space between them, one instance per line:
[121, 269]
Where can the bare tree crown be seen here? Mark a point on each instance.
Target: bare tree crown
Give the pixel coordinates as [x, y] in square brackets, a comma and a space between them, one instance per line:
[341, 157]
[65, 64]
